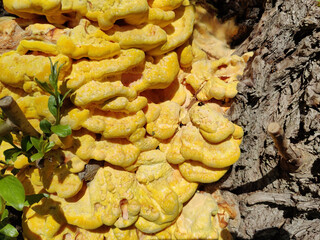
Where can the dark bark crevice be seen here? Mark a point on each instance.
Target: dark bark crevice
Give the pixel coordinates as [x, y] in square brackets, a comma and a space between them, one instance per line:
[280, 84]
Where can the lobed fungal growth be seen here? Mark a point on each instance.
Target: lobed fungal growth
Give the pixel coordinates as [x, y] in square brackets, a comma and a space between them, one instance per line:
[148, 104]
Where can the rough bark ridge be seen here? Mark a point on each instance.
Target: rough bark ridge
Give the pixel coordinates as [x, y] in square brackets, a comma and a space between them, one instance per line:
[281, 84]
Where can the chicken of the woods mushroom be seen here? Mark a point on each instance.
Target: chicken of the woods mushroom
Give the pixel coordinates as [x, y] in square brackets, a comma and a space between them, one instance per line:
[150, 84]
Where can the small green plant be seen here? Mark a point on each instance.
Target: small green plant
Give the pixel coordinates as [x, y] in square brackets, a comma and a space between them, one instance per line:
[55, 103]
[35, 148]
[12, 193]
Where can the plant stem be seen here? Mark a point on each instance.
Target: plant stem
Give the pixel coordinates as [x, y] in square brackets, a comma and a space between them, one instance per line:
[6, 127]
[16, 116]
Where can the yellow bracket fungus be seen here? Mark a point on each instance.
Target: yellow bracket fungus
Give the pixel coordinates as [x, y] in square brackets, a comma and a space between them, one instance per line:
[197, 172]
[165, 125]
[17, 70]
[166, 4]
[211, 123]
[144, 38]
[178, 31]
[85, 71]
[137, 70]
[98, 92]
[190, 145]
[122, 104]
[56, 177]
[85, 40]
[154, 16]
[118, 152]
[114, 125]
[158, 75]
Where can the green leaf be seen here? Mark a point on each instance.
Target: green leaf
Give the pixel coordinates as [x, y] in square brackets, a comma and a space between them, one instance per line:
[12, 191]
[26, 144]
[36, 156]
[61, 130]
[44, 86]
[49, 145]
[5, 214]
[52, 105]
[9, 230]
[36, 143]
[45, 126]
[11, 154]
[34, 198]
[65, 95]
[2, 206]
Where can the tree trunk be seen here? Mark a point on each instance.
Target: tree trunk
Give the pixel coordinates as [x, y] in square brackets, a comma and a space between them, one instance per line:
[281, 84]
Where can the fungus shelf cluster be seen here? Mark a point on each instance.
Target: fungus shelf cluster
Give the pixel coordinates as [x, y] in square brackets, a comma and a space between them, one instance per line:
[150, 83]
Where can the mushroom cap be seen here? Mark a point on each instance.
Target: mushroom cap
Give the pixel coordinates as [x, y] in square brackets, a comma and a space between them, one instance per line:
[86, 40]
[178, 32]
[143, 37]
[85, 71]
[166, 124]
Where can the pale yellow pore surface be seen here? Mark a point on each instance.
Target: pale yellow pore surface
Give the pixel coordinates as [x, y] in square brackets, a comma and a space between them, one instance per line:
[166, 124]
[86, 40]
[223, 81]
[117, 197]
[84, 71]
[17, 70]
[218, 89]
[201, 72]
[178, 31]
[158, 75]
[143, 37]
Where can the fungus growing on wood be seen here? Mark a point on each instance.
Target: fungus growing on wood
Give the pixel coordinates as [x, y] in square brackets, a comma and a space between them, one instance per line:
[147, 117]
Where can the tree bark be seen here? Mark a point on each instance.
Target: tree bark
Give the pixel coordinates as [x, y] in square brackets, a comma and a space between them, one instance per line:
[281, 84]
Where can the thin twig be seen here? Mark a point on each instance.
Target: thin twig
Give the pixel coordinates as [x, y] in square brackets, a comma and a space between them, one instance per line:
[16, 116]
[288, 161]
[7, 126]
